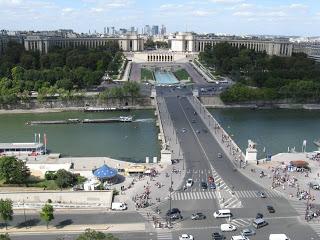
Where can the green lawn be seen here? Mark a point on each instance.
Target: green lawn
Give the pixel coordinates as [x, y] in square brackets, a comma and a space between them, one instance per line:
[146, 74]
[182, 74]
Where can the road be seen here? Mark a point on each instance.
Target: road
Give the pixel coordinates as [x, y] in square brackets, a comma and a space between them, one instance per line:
[201, 150]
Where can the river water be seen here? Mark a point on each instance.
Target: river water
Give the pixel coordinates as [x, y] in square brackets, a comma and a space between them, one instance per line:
[125, 141]
[272, 129]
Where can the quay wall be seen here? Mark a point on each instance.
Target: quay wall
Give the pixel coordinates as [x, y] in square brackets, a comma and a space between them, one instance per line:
[62, 197]
[78, 103]
[223, 138]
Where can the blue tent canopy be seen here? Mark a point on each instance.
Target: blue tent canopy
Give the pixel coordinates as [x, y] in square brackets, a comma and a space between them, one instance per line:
[105, 172]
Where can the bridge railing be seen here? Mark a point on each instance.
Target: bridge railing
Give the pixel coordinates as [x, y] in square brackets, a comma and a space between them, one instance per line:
[223, 138]
[168, 132]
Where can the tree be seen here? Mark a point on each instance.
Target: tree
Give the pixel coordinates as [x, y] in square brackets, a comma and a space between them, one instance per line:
[46, 214]
[6, 211]
[5, 237]
[64, 178]
[13, 170]
[95, 235]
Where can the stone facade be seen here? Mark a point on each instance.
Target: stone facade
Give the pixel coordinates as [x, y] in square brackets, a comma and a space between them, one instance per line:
[188, 42]
[128, 43]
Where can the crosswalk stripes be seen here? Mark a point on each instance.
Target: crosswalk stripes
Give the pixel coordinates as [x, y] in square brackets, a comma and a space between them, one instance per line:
[232, 202]
[164, 235]
[241, 222]
[179, 196]
[299, 206]
[254, 194]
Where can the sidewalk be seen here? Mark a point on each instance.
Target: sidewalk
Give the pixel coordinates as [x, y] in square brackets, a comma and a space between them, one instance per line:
[130, 227]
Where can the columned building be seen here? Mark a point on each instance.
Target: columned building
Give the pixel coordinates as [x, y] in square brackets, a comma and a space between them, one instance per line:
[188, 42]
[311, 49]
[128, 43]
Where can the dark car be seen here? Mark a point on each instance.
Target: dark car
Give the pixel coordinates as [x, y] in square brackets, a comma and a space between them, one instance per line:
[204, 185]
[271, 209]
[259, 215]
[198, 216]
[217, 236]
[213, 185]
[173, 211]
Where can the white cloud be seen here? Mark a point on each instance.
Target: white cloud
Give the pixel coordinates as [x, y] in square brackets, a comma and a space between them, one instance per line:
[201, 13]
[297, 6]
[96, 9]
[170, 6]
[226, 1]
[243, 14]
[67, 10]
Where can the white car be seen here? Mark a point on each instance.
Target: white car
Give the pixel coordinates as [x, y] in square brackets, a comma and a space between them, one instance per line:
[189, 182]
[239, 238]
[226, 227]
[186, 237]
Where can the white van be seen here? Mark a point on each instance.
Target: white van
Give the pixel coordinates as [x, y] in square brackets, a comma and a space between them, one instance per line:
[223, 213]
[278, 237]
[118, 206]
[239, 238]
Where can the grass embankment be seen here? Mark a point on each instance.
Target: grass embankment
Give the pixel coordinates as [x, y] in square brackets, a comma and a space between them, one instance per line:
[146, 74]
[182, 74]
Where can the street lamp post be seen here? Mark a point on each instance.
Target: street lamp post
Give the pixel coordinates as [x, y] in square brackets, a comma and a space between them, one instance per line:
[170, 199]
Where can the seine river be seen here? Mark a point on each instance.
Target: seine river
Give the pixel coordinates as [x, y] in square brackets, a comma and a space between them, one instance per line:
[275, 130]
[272, 129]
[126, 141]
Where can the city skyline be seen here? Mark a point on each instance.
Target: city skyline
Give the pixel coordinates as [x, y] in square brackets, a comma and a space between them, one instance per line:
[284, 17]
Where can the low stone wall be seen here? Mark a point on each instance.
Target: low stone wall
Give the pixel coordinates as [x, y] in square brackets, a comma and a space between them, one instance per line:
[55, 103]
[63, 197]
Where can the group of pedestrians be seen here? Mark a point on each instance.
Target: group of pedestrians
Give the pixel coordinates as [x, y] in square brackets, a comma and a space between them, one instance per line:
[142, 200]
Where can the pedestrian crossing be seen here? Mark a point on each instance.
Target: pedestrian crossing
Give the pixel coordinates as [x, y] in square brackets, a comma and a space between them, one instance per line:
[207, 194]
[241, 222]
[164, 235]
[299, 206]
[315, 227]
[198, 195]
[254, 194]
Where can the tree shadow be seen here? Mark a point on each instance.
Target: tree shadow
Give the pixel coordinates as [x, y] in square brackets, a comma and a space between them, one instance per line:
[28, 223]
[64, 223]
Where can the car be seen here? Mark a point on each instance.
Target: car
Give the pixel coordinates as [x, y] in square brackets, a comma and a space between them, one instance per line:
[239, 237]
[261, 194]
[248, 232]
[198, 131]
[173, 211]
[227, 227]
[183, 130]
[212, 185]
[193, 121]
[205, 130]
[198, 216]
[271, 209]
[217, 236]
[259, 223]
[186, 237]
[210, 179]
[204, 185]
[189, 182]
[219, 155]
[259, 215]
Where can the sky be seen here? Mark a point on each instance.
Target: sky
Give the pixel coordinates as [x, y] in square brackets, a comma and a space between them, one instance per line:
[274, 17]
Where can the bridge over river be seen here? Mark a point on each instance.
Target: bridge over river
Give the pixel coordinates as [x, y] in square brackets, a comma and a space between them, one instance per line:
[192, 134]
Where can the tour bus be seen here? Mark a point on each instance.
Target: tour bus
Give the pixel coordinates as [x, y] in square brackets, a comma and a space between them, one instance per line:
[223, 213]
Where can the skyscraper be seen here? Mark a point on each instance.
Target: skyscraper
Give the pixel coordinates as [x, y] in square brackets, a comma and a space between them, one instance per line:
[163, 30]
[155, 30]
[147, 30]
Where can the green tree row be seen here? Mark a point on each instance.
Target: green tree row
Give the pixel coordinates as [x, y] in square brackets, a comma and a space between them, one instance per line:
[272, 77]
[66, 68]
[127, 90]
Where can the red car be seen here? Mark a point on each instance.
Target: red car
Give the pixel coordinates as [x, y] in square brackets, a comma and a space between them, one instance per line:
[210, 179]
